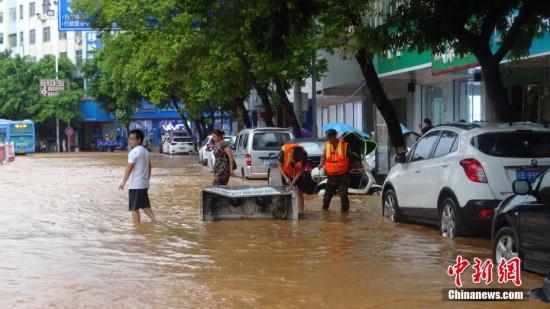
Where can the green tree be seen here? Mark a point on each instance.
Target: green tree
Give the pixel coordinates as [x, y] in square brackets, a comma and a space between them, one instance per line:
[18, 89]
[347, 28]
[470, 26]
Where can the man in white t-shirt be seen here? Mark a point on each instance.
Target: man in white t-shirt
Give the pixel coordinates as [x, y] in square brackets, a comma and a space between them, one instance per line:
[138, 172]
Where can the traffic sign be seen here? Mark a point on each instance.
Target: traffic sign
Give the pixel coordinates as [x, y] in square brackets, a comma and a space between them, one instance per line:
[69, 20]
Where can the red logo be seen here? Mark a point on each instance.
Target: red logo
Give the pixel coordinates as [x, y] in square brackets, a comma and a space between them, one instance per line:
[510, 271]
[457, 269]
[483, 271]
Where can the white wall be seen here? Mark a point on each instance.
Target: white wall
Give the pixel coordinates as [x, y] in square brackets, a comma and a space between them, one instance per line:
[38, 23]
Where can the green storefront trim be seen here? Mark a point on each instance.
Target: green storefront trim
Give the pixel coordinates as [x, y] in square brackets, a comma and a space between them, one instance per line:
[410, 60]
[407, 60]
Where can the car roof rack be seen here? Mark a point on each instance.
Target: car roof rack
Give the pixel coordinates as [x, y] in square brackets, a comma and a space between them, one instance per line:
[461, 125]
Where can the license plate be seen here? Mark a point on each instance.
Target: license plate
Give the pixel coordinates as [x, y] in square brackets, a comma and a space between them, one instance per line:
[268, 162]
[527, 174]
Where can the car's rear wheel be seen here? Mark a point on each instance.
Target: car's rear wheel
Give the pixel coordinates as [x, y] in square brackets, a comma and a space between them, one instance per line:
[505, 245]
[390, 208]
[449, 219]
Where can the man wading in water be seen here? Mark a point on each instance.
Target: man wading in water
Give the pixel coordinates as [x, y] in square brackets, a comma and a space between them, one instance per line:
[138, 172]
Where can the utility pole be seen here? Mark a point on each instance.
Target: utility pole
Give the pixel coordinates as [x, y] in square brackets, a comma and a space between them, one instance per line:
[314, 95]
[298, 102]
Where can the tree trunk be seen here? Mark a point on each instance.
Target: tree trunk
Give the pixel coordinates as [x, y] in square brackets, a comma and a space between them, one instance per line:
[263, 93]
[381, 101]
[280, 116]
[205, 129]
[200, 130]
[240, 106]
[288, 108]
[496, 92]
[183, 118]
[260, 89]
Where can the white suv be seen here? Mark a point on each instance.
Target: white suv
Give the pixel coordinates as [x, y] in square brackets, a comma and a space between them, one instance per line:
[456, 174]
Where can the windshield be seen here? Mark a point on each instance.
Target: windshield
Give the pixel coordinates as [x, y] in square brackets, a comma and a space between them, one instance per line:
[181, 139]
[270, 140]
[515, 144]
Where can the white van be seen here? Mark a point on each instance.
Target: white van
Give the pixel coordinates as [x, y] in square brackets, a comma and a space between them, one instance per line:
[255, 149]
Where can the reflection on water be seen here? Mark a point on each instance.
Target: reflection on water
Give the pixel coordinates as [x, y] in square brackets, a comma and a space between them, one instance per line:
[67, 238]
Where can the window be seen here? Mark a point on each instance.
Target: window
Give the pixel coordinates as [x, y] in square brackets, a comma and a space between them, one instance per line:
[78, 58]
[269, 140]
[20, 38]
[46, 34]
[545, 183]
[21, 11]
[447, 143]
[32, 37]
[32, 9]
[514, 144]
[13, 14]
[424, 147]
[243, 141]
[1, 38]
[13, 40]
[1, 17]
[62, 35]
[434, 104]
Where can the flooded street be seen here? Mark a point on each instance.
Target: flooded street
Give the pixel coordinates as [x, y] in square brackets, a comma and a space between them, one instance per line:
[66, 240]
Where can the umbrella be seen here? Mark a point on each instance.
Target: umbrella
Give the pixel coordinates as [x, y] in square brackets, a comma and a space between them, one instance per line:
[342, 127]
[404, 129]
[358, 143]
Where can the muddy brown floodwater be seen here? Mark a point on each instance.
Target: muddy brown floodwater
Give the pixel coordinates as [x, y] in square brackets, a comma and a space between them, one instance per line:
[66, 241]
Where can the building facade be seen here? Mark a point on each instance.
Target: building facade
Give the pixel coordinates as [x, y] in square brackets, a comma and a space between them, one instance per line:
[30, 28]
[443, 88]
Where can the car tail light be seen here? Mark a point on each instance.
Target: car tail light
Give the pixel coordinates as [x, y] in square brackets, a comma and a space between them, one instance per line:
[474, 170]
[308, 167]
[485, 213]
[248, 160]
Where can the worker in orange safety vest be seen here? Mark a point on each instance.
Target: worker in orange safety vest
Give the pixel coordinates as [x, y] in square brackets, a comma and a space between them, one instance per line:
[336, 161]
[292, 161]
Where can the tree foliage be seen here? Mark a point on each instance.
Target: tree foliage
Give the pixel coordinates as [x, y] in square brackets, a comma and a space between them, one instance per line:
[20, 93]
[491, 30]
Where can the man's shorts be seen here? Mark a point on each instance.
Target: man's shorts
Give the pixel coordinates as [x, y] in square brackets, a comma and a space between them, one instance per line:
[139, 199]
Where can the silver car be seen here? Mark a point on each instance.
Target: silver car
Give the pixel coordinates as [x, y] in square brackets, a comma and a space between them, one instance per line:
[255, 149]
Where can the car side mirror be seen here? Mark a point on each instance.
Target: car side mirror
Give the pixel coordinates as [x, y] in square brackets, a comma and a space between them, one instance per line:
[400, 157]
[521, 187]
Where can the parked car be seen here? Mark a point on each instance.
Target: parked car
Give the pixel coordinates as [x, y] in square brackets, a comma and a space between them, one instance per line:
[521, 225]
[314, 148]
[181, 145]
[255, 149]
[210, 159]
[205, 149]
[456, 174]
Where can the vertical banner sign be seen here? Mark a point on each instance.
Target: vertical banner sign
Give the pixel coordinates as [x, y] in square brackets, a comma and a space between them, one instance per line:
[92, 43]
[69, 20]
